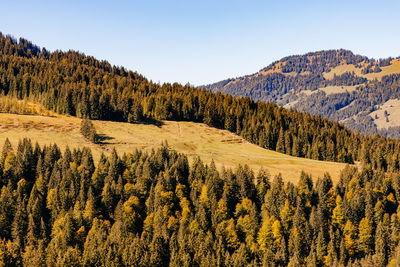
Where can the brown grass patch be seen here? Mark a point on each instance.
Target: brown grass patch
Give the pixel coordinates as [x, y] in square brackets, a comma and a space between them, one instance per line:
[196, 139]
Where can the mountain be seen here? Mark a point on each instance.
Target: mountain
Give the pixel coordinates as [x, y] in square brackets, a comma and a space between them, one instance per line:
[71, 83]
[362, 93]
[160, 207]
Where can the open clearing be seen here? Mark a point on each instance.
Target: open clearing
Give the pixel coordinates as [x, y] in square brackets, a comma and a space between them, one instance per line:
[392, 108]
[393, 68]
[193, 139]
[331, 90]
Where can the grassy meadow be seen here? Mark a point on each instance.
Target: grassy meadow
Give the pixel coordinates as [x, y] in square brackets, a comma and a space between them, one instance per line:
[193, 139]
[393, 68]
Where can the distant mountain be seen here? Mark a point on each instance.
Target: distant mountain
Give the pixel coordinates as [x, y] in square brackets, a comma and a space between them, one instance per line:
[362, 93]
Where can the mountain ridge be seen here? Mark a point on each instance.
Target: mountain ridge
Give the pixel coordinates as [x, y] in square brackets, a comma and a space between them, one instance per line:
[326, 83]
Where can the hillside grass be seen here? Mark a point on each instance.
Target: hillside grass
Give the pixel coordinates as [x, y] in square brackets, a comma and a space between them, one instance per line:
[393, 68]
[194, 139]
[392, 107]
[10, 104]
[331, 90]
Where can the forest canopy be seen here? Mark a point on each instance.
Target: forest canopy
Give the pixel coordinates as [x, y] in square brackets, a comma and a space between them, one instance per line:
[154, 209]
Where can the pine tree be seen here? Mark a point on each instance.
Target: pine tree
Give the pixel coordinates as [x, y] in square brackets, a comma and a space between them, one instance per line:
[88, 131]
[332, 256]
[7, 148]
[381, 245]
[321, 248]
[365, 236]
[94, 252]
[350, 238]
[338, 214]
[7, 210]
[280, 145]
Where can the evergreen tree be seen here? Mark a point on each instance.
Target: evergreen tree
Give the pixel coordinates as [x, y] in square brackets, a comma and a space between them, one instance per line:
[88, 131]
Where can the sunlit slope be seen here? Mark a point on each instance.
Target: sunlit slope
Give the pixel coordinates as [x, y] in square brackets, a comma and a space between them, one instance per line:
[193, 139]
[393, 68]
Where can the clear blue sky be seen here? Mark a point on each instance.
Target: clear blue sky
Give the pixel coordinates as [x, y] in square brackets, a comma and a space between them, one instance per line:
[204, 41]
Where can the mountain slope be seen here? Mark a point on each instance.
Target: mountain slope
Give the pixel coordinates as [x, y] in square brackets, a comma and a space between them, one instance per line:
[193, 139]
[156, 209]
[71, 83]
[336, 84]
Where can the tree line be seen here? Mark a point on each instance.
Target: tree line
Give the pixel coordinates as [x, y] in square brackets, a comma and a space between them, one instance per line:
[74, 84]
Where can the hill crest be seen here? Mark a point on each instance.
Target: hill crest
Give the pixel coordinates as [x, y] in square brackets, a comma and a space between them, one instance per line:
[336, 84]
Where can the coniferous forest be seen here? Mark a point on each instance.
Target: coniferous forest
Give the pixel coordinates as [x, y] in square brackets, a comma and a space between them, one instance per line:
[74, 84]
[60, 208]
[153, 209]
[299, 81]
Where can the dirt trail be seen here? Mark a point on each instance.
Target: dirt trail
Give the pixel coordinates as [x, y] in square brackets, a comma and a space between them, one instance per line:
[179, 129]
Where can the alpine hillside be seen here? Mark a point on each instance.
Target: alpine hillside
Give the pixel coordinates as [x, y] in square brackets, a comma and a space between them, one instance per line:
[362, 93]
[73, 84]
[121, 200]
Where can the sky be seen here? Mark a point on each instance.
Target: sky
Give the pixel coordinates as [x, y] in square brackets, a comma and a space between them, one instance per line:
[201, 42]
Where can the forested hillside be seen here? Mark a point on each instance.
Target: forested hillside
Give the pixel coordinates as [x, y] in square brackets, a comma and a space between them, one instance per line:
[193, 139]
[74, 84]
[153, 209]
[335, 84]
